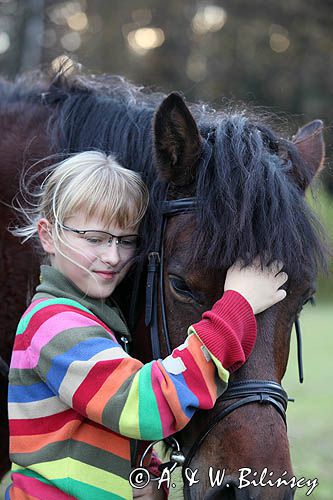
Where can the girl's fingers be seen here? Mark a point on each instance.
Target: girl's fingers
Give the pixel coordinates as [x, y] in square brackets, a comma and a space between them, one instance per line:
[281, 278]
[277, 266]
[280, 295]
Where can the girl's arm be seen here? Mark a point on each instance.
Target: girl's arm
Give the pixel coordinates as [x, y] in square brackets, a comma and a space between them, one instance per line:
[81, 362]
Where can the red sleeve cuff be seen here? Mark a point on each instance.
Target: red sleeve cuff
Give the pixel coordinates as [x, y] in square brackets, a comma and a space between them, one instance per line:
[229, 330]
[154, 469]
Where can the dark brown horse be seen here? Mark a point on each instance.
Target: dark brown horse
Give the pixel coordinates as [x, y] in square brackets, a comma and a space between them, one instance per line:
[249, 192]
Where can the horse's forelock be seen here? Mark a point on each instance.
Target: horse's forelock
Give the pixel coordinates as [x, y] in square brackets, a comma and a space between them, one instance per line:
[250, 205]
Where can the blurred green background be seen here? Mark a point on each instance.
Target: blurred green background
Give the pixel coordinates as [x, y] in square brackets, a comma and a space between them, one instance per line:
[270, 55]
[310, 422]
[310, 416]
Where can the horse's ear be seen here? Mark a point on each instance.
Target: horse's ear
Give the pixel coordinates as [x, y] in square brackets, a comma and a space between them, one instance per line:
[309, 142]
[177, 141]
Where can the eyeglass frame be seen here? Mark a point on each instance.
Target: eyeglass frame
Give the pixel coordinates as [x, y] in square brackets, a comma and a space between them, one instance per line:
[112, 236]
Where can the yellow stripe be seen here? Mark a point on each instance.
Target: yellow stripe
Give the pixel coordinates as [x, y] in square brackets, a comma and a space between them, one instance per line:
[129, 419]
[68, 467]
[222, 372]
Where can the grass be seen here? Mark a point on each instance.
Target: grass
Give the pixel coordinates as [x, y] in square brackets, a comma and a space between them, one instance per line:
[310, 417]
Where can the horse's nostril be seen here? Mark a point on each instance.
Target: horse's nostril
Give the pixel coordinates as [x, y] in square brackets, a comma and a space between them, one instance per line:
[229, 491]
[289, 495]
[226, 492]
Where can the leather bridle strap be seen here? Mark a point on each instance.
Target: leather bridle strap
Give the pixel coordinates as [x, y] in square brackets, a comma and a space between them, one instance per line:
[299, 350]
[250, 391]
[155, 275]
[155, 269]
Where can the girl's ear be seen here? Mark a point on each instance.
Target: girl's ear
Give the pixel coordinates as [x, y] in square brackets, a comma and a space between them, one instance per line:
[44, 228]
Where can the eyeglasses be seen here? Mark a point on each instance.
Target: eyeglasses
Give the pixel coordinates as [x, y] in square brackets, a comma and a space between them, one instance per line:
[103, 239]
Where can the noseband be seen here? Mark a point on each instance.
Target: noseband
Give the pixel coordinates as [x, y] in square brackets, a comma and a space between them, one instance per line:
[243, 392]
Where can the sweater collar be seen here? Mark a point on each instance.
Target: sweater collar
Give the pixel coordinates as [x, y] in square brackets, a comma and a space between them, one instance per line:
[54, 283]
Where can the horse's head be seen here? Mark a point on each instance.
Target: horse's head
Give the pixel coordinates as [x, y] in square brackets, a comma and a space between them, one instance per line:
[249, 188]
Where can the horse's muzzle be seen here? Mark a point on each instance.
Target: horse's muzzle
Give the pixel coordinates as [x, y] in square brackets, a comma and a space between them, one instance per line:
[231, 491]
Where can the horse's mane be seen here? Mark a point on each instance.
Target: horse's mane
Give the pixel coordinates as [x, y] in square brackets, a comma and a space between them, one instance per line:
[248, 201]
[250, 204]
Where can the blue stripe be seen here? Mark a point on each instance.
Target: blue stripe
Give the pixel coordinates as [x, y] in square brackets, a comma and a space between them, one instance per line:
[28, 393]
[80, 352]
[187, 399]
[7, 497]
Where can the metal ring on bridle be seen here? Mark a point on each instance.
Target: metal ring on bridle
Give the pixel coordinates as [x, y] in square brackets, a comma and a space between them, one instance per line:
[176, 449]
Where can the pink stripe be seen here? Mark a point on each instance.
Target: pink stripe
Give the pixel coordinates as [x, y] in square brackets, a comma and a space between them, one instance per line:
[45, 333]
[167, 418]
[37, 489]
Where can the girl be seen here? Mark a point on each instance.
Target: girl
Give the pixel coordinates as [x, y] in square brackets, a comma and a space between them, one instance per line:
[77, 400]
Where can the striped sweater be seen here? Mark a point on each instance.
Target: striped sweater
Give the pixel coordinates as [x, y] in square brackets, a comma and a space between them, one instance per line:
[77, 399]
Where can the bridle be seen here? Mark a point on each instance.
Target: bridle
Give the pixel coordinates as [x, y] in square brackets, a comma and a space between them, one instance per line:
[242, 392]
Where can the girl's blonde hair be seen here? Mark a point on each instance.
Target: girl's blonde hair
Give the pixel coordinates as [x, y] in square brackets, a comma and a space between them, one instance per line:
[91, 183]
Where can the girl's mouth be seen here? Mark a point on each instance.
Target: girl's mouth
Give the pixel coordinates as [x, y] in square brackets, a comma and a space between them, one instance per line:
[107, 275]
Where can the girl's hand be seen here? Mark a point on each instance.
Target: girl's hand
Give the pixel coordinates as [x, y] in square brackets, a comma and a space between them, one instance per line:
[260, 287]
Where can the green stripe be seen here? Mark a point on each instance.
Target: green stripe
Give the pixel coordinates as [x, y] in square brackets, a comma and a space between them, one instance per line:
[223, 373]
[77, 450]
[113, 410]
[82, 491]
[73, 470]
[45, 303]
[128, 421]
[29, 473]
[150, 428]
[26, 377]
[77, 488]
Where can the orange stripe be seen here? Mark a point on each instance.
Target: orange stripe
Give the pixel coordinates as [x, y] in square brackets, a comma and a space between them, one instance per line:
[96, 405]
[29, 444]
[85, 432]
[18, 494]
[104, 439]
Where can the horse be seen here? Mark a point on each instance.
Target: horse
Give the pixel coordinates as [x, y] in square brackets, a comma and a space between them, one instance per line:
[235, 190]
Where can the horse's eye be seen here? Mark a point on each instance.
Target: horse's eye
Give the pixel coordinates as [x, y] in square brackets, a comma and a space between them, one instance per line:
[180, 287]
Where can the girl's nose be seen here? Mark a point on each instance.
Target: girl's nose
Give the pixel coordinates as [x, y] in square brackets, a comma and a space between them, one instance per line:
[111, 253]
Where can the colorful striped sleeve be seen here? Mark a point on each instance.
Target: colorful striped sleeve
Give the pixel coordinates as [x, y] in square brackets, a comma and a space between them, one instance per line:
[85, 369]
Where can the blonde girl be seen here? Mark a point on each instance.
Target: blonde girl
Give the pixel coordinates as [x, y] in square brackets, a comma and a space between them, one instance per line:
[77, 400]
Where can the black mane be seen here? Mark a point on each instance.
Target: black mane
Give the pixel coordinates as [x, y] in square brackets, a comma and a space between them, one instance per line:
[250, 204]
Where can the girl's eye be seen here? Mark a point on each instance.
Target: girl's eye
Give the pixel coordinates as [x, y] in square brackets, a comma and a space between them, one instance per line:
[128, 243]
[94, 241]
[180, 287]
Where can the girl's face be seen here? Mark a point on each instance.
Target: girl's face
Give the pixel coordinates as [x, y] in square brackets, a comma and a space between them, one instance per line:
[95, 263]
